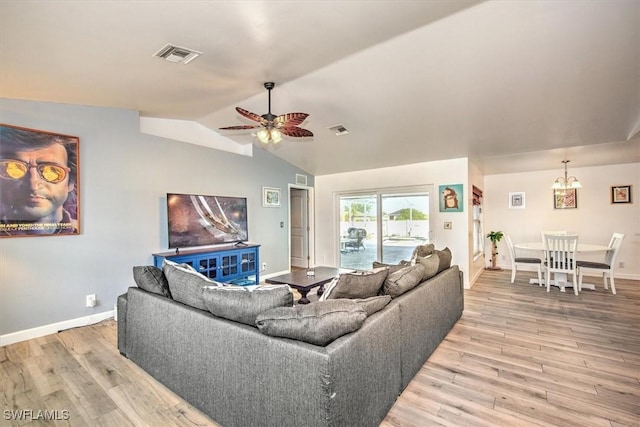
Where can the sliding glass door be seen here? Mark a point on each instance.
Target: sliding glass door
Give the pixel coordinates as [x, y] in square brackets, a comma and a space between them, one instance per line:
[382, 225]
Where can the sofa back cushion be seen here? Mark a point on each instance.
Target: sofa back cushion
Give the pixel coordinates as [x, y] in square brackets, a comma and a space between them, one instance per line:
[361, 284]
[431, 264]
[445, 259]
[242, 304]
[317, 323]
[151, 279]
[403, 280]
[186, 284]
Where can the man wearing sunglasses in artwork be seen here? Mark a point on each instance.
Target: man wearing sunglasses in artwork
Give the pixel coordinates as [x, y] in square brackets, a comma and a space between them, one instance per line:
[37, 178]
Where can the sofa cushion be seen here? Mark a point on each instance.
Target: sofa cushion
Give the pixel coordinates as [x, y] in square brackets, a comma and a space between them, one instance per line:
[317, 323]
[151, 279]
[361, 284]
[392, 267]
[240, 304]
[403, 280]
[186, 284]
[373, 304]
[423, 250]
[431, 265]
[444, 258]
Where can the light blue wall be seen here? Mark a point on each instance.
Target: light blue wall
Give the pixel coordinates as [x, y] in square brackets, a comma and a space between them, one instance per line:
[124, 178]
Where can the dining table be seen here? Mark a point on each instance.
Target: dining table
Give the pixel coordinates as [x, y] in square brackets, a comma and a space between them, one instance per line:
[561, 280]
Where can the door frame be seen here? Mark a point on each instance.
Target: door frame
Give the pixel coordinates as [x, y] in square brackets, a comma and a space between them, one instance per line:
[310, 222]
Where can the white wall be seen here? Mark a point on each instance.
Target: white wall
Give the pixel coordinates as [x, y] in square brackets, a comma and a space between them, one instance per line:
[430, 173]
[595, 218]
[124, 178]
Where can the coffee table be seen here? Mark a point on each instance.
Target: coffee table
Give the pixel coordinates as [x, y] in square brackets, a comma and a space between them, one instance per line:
[303, 283]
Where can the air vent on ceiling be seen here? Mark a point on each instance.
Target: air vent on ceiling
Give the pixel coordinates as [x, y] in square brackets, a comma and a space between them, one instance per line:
[177, 54]
[339, 130]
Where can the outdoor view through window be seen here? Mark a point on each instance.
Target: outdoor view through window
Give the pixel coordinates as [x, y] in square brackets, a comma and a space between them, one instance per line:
[382, 227]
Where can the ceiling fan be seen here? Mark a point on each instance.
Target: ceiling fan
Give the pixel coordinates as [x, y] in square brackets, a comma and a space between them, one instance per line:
[273, 127]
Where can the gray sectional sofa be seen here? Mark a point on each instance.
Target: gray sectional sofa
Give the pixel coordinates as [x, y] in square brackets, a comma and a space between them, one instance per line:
[241, 377]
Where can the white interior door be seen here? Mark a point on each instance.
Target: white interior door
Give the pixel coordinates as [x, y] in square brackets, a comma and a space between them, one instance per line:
[299, 206]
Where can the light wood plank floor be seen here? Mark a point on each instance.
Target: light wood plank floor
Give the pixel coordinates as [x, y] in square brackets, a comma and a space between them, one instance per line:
[518, 356]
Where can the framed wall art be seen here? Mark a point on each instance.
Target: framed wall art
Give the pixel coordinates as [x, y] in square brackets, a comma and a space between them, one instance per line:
[39, 183]
[270, 197]
[516, 200]
[565, 199]
[620, 194]
[451, 198]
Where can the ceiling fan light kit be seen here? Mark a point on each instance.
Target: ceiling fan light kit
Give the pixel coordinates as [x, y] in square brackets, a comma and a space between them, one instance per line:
[273, 127]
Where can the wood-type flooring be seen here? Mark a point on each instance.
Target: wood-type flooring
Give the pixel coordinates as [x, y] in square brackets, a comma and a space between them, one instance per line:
[519, 356]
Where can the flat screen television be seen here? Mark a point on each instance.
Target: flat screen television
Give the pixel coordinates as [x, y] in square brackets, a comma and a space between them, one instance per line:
[199, 220]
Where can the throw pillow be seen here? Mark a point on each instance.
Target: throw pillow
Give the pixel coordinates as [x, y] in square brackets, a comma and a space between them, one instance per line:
[445, 259]
[403, 280]
[373, 304]
[431, 265]
[423, 250]
[186, 284]
[151, 279]
[392, 267]
[317, 323]
[361, 284]
[240, 304]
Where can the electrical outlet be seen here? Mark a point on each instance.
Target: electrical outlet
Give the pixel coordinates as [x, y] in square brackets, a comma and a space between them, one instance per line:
[264, 266]
[91, 300]
[621, 264]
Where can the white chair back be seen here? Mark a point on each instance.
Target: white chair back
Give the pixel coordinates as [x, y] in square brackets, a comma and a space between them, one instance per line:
[512, 251]
[614, 244]
[560, 252]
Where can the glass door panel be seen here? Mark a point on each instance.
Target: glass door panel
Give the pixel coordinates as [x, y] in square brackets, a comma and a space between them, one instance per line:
[405, 225]
[358, 231]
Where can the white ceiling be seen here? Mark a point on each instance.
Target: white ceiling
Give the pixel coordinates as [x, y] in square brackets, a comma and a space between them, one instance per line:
[512, 85]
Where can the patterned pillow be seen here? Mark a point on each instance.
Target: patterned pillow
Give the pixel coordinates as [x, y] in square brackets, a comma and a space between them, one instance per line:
[362, 284]
[240, 304]
[186, 284]
[403, 280]
[317, 323]
[151, 279]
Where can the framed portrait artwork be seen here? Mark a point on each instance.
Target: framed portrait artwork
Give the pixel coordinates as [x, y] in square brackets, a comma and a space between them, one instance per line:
[620, 194]
[39, 183]
[516, 200]
[451, 198]
[565, 199]
[270, 197]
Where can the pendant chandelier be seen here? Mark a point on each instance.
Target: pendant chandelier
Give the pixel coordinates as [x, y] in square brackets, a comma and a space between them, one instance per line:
[566, 183]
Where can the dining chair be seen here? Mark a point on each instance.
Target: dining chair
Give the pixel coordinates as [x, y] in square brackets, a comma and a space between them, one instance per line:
[515, 261]
[560, 257]
[607, 267]
[554, 232]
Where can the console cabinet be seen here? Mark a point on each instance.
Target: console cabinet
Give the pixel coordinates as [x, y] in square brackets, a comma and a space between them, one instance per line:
[239, 265]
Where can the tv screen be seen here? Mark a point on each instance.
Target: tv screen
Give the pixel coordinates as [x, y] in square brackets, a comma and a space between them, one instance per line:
[198, 220]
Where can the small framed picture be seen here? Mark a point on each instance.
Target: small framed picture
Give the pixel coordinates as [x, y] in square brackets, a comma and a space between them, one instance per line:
[620, 194]
[516, 200]
[565, 199]
[270, 197]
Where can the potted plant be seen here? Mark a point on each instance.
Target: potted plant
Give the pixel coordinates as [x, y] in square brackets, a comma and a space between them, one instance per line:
[495, 237]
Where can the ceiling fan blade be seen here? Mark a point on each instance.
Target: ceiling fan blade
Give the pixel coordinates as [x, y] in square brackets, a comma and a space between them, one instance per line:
[295, 132]
[289, 119]
[251, 116]
[240, 127]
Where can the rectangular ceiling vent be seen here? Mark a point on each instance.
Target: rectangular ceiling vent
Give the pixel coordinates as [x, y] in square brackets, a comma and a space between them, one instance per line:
[178, 54]
[339, 130]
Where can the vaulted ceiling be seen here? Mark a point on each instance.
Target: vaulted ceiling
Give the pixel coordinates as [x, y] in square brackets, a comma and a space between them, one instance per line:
[511, 85]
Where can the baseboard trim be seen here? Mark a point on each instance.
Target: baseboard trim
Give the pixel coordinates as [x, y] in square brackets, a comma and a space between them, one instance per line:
[53, 328]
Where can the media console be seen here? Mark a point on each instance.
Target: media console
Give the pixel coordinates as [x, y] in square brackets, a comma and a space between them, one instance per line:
[227, 264]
